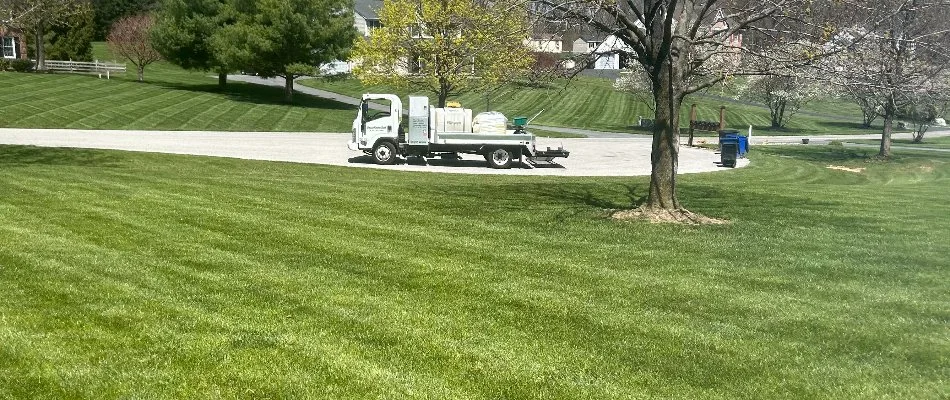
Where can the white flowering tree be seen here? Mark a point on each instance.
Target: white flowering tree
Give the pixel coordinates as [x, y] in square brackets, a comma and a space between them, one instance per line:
[900, 64]
[686, 46]
[634, 80]
[784, 95]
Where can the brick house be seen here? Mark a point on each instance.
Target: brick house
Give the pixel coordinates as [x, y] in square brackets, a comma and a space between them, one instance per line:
[12, 43]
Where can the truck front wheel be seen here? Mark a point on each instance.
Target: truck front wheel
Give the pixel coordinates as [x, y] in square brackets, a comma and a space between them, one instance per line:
[384, 153]
[499, 158]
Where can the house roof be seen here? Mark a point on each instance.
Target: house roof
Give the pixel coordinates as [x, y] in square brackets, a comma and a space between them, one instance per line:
[368, 9]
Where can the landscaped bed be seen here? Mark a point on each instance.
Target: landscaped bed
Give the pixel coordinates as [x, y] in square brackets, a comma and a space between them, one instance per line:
[147, 275]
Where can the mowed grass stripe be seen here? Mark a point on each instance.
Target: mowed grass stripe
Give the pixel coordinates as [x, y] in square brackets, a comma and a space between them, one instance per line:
[226, 115]
[251, 117]
[82, 101]
[148, 117]
[174, 115]
[252, 262]
[593, 103]
[207, 113]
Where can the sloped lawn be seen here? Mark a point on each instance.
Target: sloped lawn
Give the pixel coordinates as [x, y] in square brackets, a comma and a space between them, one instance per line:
[593, 103]
[160, 276]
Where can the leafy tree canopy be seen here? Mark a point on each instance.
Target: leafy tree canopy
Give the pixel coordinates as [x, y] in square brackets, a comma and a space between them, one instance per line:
[71, 40]
[286, 38]
[183, 33]
[445, 46]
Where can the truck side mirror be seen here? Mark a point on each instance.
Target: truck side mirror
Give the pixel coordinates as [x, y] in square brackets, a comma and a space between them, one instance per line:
[364, 109]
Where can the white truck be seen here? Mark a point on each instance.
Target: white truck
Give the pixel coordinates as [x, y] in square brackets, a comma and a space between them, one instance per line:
[443, 132]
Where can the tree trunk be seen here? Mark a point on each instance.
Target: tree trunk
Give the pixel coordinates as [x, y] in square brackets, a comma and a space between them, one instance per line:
[443, 97]
[692, 121]
[40, 47]
[666, 140]
[778, 112]
[886, 136]
[869, 117]
[289, 88]
[222, 79]
[919, 133]
[140, 69]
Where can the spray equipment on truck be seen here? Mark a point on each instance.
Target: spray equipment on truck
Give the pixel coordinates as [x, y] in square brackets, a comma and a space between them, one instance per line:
[434, 131]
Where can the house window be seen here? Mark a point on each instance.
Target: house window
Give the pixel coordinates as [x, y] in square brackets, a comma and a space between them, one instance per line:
[372, 24]
[593, 45]
[9, 47]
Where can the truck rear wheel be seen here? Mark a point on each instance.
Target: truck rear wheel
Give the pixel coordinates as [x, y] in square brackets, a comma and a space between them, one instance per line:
[499, 158]
[384, 153]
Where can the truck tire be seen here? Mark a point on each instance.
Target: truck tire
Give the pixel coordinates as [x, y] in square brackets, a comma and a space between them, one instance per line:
[384, 153]
[499, 158]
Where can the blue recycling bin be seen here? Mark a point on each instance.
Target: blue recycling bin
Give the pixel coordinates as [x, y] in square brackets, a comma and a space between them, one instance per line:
[743, 145]
[727, 133]
[742, 142]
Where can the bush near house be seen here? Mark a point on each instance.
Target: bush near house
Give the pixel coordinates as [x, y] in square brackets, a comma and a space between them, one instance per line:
[21, 65]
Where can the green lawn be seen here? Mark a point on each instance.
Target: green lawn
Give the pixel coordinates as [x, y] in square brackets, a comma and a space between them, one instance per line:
[174, 99]
[142, 275]
[593, 103]
[552, 134]
[934, 143]
[170, 99]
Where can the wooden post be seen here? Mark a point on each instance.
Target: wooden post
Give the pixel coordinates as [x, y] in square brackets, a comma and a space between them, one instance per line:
[692, 121]
[722, 117]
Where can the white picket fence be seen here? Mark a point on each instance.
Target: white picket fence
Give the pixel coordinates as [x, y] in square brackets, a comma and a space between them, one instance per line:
[97, 66]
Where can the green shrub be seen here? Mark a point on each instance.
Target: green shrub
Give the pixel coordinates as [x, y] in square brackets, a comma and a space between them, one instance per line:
[835, 143]
[4, 64]
[21, 65]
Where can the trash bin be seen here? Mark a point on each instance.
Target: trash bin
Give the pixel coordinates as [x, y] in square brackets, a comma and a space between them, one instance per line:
[725, 133]
[743, 145]
[729, 152]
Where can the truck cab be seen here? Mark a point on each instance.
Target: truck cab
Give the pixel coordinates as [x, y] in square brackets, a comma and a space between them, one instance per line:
[376, 131]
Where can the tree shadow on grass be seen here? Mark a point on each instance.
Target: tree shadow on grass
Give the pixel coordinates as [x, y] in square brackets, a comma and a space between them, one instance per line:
[578, 199]
[820, 154]
[11, 155]
[837, 125]
[256, 94]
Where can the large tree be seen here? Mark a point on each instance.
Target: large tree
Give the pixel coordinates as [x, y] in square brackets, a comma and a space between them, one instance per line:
[445, 46]
[784, 95]
[688, 45]
[286, 38]
[37, 16]
[899, 63]
[183, 33]
[71, 40]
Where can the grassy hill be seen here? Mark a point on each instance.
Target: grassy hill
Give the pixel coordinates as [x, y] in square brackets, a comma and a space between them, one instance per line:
[170, 99]
[130, 275]
[174, 99]
[593, 103]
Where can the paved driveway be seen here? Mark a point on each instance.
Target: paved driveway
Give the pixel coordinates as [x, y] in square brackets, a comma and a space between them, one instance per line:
[589, 157]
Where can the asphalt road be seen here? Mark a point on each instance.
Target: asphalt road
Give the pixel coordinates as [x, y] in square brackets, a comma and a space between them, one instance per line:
[601, 154]
[628, 156]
